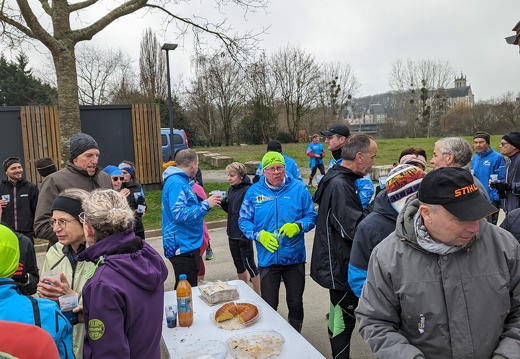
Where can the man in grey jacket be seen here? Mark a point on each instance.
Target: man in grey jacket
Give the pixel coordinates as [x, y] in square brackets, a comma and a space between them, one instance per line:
[81, 171]
[446, 283]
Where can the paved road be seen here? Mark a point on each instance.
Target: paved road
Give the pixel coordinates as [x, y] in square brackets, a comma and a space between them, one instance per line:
[316, 298]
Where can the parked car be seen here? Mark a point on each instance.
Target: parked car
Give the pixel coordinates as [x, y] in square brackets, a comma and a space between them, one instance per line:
[180, 142]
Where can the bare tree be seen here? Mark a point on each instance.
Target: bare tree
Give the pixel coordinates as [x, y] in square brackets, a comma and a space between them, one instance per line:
[337, 85]
[152, 73]
[297, 75]
[98, 73]
[50, 24]
[224, 82]
[508, 110]
[421, 85]
[261, 97]
[201, 112]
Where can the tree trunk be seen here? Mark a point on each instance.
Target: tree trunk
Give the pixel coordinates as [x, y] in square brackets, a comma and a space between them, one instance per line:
[66, 74]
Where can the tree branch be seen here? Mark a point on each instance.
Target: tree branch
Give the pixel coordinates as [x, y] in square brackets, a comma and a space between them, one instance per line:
[81, 5]
[46, 7]
[88, 32]
[36, 30]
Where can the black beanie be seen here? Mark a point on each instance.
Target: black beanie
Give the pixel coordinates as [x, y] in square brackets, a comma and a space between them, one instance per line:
[10, 161]
[483, 135]
[274, 145]
[66, 204]
[513, 138]
[45, 166]
[80, 143]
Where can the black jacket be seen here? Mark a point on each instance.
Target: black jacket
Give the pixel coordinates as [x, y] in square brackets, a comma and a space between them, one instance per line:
[512, 223]
[135, 198]
[28, 258]
[19, 213]
[373, 229]
[339, 213]
[232, 206]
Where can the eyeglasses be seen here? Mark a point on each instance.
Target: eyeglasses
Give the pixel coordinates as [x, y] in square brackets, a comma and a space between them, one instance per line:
[115, 178]
[274, 169]
[62, 223]
[503, 143]
[81, 217]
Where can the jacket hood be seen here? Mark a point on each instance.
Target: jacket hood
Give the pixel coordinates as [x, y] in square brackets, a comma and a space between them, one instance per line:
[245, 182]
[335, 171]
[383, 206]
[172, 170]
[131, 257]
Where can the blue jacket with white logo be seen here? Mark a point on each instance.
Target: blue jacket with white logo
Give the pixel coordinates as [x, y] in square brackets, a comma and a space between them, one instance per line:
[487, 163]
[265, 208]
[182, 214]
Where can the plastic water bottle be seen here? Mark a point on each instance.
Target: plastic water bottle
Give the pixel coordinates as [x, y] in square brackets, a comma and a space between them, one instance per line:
[184, 302]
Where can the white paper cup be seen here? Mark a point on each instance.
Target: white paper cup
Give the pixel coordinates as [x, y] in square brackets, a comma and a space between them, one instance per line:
[141, 208]
[68, 302]
[493, 178]
[53, 275]
[6, 197]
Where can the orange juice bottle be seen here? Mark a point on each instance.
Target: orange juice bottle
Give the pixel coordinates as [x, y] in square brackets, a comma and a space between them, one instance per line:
[184, 302]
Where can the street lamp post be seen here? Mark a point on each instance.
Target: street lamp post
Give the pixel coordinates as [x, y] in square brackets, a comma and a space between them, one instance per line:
[167, 47]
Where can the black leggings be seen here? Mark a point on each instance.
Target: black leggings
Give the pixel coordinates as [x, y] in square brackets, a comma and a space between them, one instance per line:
[342, 321]
[320, 167]
[187, 263]
[294, 280]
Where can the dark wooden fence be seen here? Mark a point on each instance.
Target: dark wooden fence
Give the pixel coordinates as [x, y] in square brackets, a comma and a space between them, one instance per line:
[130, 132]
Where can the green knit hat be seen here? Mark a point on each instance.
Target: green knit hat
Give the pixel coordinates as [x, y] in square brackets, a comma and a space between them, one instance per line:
[272, 158]
[9, 252]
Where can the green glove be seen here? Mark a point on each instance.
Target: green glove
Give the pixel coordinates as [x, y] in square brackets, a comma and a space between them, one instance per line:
[268, 240]
[290, 229]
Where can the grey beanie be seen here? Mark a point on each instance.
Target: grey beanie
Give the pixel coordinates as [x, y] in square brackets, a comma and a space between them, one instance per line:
[80, 143]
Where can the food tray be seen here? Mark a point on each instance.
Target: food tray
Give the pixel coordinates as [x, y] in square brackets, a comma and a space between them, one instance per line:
[206, 349]
[216, 298]
[257, 344]
[234, 324]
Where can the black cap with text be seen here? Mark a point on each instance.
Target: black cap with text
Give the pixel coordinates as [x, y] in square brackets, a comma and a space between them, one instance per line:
[455, 190]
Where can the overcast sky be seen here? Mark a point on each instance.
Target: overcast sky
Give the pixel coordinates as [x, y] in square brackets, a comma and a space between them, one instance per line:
[369, 35]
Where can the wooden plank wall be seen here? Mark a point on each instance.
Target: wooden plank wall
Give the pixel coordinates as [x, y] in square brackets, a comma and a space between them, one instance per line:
[146, 126]
[41, 137]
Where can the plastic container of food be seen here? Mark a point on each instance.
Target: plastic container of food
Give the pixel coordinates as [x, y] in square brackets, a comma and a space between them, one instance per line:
[206, 349]
[258, 344]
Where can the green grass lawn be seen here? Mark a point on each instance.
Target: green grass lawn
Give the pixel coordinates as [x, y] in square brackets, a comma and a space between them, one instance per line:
[388, 153]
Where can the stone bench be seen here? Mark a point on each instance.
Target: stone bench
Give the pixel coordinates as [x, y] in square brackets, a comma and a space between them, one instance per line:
[251, 167]
[380, 171]
[206, 157]
[220, 161]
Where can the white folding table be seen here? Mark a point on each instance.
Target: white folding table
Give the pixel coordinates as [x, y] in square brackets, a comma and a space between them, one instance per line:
[203, 328]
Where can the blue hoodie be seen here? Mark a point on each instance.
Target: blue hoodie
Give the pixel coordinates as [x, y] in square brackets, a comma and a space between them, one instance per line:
[265, 208]
[182, 214]
[486, 163]
[124, 299]
[16, 307]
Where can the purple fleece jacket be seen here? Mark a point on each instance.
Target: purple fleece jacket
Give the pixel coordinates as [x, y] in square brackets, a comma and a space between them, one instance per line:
[123, 302]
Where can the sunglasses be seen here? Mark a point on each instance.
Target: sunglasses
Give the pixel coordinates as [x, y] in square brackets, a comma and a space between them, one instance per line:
[116, 178]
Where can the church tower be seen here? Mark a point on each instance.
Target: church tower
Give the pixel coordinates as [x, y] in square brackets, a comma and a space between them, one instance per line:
[461, 81]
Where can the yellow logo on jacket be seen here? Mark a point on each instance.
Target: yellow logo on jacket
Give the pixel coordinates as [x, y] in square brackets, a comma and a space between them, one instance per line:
[96, 329]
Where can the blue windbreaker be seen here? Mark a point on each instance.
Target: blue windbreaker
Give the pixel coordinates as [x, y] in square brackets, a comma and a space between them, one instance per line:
[487, 163]
[182, 214]
[16, 307]
[266, 209]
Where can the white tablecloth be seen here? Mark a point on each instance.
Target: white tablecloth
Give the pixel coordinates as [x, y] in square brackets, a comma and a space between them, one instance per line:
[203, 328]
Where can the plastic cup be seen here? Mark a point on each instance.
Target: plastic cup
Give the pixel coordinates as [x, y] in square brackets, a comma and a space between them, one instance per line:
[493, 178]
[67, 303]
[6, 197]
[279, 236]
[382, 182]
[141, 208]
[170, 312]
[53, 275]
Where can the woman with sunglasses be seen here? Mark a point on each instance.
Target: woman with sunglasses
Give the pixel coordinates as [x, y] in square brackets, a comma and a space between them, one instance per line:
[61, 257]
[116, 175]
[123, 298]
